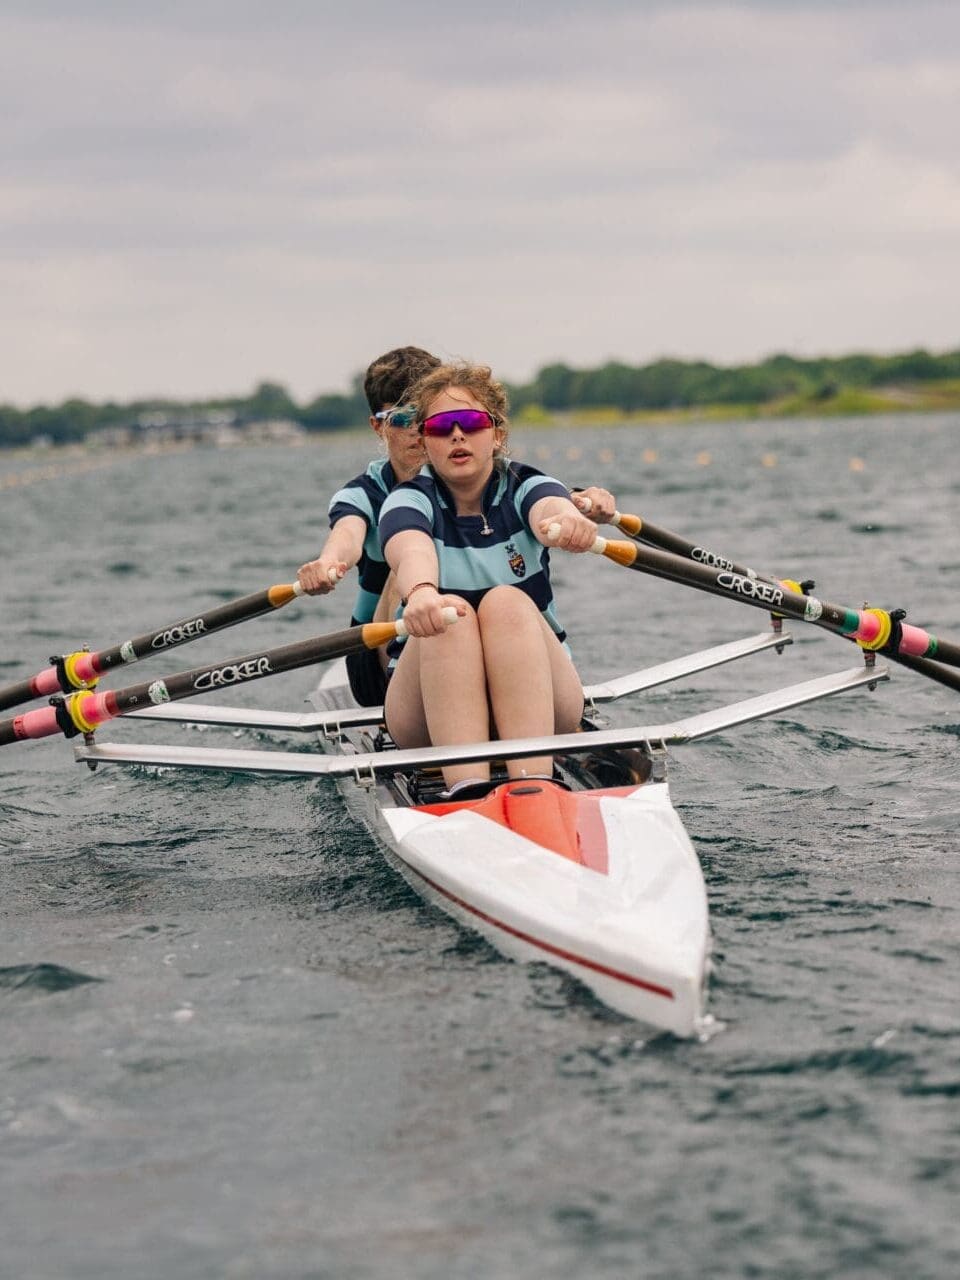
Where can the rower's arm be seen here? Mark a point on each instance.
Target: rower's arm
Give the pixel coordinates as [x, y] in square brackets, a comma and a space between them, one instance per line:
[412, 556]
[340, 552]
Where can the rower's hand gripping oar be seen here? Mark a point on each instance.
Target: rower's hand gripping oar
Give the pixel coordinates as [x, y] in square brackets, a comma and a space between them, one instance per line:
[82, 670]
[83, 712]
[875, 630]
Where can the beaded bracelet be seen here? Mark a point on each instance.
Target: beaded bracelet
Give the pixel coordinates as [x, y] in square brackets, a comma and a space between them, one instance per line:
[416, 587]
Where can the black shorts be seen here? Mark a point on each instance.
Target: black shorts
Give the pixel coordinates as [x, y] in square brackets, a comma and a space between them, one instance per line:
[368, 683]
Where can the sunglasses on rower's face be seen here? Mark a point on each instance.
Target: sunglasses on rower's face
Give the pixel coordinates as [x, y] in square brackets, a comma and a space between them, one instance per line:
[401, 416]
[468, 420]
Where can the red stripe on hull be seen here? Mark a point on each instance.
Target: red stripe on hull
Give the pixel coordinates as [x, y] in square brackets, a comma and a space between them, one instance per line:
[653, 987]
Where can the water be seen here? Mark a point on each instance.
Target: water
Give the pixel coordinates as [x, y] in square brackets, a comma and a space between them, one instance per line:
[234, 1043]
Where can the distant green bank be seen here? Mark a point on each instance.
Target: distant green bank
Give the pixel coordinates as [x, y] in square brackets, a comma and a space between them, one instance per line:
[679, 390]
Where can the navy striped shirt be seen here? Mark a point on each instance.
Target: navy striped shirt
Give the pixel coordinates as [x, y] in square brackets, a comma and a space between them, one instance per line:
[364, 496]
[472, 560]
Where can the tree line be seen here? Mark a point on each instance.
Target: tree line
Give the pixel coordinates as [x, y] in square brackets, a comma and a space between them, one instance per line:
[556, 389]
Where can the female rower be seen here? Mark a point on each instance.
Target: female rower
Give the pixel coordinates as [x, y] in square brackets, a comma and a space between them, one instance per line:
[355, 511]
[472, 530]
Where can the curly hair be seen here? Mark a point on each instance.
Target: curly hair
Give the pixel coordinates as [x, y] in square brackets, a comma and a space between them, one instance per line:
[478, 379]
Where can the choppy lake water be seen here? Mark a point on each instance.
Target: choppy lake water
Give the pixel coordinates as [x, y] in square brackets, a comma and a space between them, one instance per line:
[234, 1043]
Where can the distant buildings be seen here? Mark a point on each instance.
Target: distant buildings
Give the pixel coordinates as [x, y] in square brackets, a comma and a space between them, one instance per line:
[213, 428]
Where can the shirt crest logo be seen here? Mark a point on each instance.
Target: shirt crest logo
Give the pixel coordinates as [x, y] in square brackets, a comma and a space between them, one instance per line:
[515, 560]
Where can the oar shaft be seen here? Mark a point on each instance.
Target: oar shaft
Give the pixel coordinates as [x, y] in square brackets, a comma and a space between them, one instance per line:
[197, 625]
[932, 670]
[870, 628]
[668, 541]
[84, 711]
[78, 670]
[44, 682]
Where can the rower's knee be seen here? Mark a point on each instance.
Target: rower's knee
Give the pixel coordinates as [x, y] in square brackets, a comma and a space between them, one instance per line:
[505, 605]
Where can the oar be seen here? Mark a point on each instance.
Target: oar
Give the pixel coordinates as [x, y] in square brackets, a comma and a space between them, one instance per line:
[932, 670]
[82, 670]
[873, 629]
[655, 536]
[82, 712]
[652, 534]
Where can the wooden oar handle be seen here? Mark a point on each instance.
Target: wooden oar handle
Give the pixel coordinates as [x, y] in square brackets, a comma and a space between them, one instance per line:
[619, 552]
[628, 523]
[282, 594]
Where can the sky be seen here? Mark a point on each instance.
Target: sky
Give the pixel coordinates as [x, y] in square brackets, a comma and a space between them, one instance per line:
[197, 197]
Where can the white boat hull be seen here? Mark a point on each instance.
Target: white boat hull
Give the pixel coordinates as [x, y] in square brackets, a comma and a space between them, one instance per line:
[630, 920]
[635, 932]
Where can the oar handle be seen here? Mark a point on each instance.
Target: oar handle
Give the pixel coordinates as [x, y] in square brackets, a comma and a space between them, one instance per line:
[628, 523]
[619, 552]
[622, 552]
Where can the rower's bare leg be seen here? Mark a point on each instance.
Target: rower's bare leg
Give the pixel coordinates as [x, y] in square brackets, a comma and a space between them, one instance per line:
[533, 686]
[437, 695]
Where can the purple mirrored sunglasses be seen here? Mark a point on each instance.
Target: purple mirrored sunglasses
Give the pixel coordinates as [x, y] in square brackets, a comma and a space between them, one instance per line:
[468, 420]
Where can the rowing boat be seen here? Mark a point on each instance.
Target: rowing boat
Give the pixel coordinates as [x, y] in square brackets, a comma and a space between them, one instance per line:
[591, 872]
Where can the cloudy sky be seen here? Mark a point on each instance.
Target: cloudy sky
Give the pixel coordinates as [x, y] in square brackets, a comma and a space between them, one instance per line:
[202, 194]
